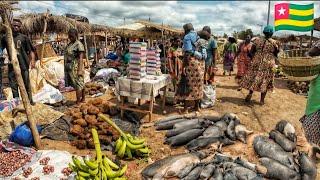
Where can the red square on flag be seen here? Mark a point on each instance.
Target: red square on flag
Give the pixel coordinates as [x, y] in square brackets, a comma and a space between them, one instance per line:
[281, 11]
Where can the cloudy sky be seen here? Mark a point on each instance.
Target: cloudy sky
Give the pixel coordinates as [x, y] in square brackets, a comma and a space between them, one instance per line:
[221, 16]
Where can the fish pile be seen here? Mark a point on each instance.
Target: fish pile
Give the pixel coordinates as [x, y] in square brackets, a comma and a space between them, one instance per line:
[85, 116]
[300, 88]
[278, 154]
[138, 62]
[195, 165]
[200, 132]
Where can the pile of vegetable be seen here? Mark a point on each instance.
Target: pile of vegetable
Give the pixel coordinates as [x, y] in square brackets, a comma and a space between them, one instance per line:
[12, 161]
[92, 88]
[85, 117]
[299, 87]
[99, 167]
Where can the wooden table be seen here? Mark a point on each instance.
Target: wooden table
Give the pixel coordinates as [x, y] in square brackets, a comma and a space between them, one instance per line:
[145, 89]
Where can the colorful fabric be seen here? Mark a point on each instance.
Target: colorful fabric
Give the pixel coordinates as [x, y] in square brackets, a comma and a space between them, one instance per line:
[313, 103]
[175, 64]
[71, 62]
[311, 127]
[211, 46]
[195, 77]
[260, 76]
[229, 54]
[243, 59]
[294, 17]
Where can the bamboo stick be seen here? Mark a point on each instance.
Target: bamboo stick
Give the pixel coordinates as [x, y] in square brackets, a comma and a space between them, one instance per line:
[16, 67]
[43, 35]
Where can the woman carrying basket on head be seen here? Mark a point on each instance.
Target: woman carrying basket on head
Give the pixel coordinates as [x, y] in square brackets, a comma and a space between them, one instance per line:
[311, 120]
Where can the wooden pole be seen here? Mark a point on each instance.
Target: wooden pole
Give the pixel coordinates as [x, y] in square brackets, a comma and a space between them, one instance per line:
[311, 38]
[106, 43]
[16, 67]
[268, 12]
[86, 46]
[95, 48]
[43, 35]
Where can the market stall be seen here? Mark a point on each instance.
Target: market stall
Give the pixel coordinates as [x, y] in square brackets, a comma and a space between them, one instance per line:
[145, 89]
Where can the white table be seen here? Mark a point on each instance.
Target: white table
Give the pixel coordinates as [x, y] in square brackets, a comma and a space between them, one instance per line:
[147, 89]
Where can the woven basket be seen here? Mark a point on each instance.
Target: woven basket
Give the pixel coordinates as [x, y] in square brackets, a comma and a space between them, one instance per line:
[297, 67]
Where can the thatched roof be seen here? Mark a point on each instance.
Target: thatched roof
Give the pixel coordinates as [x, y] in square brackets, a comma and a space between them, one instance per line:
[100, 28]
[34, 24]
[160, 26]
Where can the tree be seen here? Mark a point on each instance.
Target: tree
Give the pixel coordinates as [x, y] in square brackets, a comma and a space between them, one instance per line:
[225, 35]
[244, 34]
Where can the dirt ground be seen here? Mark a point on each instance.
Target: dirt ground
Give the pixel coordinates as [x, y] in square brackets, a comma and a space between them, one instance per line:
[280, 104]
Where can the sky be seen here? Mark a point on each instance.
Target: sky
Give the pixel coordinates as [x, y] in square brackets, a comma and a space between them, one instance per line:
[221, 16]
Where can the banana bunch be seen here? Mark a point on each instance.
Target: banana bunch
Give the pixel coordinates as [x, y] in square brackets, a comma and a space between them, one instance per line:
[127, 145]
[98, 168]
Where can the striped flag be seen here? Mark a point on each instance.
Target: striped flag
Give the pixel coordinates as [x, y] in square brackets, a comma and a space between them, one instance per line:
[294, 17]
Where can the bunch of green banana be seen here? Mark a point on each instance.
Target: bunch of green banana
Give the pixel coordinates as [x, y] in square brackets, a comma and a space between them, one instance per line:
[99, 168]
[127, 145]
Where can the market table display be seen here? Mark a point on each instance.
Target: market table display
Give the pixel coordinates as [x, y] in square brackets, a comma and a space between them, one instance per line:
[146, 88]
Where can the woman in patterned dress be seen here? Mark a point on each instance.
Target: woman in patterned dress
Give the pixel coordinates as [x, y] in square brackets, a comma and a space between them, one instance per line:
[260, 76]
[74, 66]
[190, 87]
[311, 120]
[243, 58]
[229, 51]
[174, 61]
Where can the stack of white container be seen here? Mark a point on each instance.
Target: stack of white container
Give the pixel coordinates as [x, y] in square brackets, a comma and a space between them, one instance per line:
[137, 65]
[153, 62]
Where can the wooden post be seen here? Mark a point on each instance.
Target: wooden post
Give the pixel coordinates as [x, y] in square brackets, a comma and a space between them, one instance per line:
[95, 48]
[106, 43]
[43, 35]
[16, 67]
[86, 46]
[311, 38]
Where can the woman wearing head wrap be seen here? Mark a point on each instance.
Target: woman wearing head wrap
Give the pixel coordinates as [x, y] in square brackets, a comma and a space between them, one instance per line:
[74, 65]
[243, 58]
[311, 120]
[229, 51]
[190, 87]
[260, 74]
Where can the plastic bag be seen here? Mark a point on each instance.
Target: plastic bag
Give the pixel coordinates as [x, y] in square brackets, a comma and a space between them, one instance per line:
[48, 94]
[209, 96]
[22, 135]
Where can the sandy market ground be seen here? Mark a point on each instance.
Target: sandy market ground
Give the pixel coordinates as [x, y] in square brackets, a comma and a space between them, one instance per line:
[281, 104]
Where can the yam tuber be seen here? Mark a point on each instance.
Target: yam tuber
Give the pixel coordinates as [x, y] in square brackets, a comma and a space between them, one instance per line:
[76, 129]
[80, 122]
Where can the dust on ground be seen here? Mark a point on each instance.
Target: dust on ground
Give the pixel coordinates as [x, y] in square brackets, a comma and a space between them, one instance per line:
[280, 104]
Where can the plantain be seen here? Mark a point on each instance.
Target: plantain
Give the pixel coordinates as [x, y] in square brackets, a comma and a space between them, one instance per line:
[128, 153]
[93, 172]
[90, 164]
[134, 146]
[136, 141]
[122, 149]
[73, 167]
[120, 178]
[83, 174]
[79, 165]
[144, 150]
[118, 144]
[122, 171]
[110, 163]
